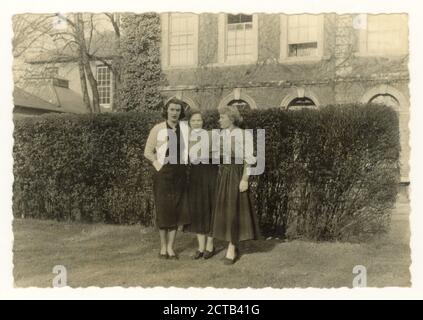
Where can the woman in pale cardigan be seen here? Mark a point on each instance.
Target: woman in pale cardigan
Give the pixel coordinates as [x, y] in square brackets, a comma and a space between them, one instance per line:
[167, 150]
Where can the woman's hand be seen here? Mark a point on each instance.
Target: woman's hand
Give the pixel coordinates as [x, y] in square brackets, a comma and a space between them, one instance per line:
[243, 186]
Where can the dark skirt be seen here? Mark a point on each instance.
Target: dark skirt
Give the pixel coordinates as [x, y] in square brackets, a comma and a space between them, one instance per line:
[234, 218]
[170, 196]
[201, 196]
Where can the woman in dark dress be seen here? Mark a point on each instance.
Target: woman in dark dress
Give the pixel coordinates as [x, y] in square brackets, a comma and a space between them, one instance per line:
[201, 187]
[234, 219]
[169, 140]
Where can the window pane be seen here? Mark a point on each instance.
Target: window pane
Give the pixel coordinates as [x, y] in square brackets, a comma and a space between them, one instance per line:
[386, 33]
[239, 18]
[104, 84]
[239, 38]
[302, 49]
[302, 30]
[181, 39]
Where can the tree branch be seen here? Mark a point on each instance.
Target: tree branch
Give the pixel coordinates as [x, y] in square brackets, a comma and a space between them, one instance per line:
[91, 32]
[68, 21]
[115, 23]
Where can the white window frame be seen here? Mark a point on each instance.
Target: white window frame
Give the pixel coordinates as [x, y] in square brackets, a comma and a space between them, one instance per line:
[222, 40]
[165, 19]
[101, 65]
[284, 46]
[363, 44]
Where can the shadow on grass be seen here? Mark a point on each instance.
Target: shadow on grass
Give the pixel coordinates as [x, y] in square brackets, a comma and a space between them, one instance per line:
[257, 246]
[187, 243]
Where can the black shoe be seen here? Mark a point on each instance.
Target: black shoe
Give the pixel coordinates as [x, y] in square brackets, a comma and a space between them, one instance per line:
[173, 257]
[229, 262]
[208, 254]
[198, 255]
[163, 256]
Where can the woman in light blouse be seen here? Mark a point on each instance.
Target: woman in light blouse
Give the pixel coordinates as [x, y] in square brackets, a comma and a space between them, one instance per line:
[201, 187]
[234, 219]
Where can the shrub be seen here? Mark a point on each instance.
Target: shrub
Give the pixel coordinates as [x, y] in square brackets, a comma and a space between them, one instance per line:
[71, 167]
[331, 174]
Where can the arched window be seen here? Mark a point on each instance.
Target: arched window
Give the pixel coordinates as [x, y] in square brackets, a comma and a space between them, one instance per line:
[387, 100]
[188, 108]
[240, 104]
[301, 103]
[239, 99]
[299, 98]
[190, 104]
[392, 97]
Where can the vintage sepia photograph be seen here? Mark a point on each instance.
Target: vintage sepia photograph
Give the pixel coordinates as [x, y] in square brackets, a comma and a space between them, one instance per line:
[215, 149]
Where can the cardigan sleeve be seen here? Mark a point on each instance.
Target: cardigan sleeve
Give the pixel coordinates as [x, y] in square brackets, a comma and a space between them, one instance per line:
[150, 146]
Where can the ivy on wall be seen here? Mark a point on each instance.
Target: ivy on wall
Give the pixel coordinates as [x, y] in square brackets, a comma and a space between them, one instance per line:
[141, 67]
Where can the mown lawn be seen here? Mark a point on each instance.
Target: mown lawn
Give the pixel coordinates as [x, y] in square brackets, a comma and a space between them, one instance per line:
[105, 255]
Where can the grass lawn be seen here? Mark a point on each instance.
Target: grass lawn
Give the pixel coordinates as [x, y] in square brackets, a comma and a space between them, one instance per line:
[105, 255]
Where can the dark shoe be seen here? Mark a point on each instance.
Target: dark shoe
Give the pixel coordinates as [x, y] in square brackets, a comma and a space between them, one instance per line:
[198, 255]
[173, 257]
[229, 262]
[163, 256]
[208, 254]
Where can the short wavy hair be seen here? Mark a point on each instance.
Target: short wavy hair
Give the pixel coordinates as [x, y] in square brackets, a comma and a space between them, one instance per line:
[183, 105]
[193, 112]
[233, 114]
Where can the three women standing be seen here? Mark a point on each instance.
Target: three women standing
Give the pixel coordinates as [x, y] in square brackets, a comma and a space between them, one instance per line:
[216, 202]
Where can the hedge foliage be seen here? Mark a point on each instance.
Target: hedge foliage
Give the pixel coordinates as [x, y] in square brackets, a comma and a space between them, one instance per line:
[331, 174]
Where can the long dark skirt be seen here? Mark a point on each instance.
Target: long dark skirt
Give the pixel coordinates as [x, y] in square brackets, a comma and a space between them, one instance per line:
[201, 196]
[234, 218]
[170, 196]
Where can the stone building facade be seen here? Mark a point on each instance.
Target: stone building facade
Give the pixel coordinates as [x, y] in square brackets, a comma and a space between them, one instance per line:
[277, 60]
[288, 61]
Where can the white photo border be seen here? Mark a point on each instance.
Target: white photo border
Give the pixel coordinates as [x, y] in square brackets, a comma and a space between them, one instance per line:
[412, 8]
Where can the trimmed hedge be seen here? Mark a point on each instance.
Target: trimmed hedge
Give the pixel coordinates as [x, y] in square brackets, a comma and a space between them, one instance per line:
[331, 174]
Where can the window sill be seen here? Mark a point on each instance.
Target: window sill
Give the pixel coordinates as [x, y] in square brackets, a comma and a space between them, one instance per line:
[232, 63]
[217, 64]
[295, 60]
[380, 55]
[170, 68]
